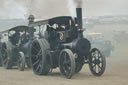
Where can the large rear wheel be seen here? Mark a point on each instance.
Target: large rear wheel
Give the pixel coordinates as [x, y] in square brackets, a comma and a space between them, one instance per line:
[67, 63]
[97, 62]
[39, 57]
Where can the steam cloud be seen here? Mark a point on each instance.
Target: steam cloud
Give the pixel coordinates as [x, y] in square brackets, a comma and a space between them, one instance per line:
[78, 3]
[72, 5]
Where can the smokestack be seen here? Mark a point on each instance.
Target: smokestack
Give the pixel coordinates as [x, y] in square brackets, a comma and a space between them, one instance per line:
[79, 15]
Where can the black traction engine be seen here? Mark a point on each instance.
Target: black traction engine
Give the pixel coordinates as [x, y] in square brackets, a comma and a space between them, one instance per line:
[60, 43]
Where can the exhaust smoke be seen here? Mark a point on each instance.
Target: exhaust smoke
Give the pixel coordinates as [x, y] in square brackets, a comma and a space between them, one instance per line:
[72, 5]
[78, 3]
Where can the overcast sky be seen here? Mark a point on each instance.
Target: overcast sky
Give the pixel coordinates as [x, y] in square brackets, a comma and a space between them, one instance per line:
[51, 8]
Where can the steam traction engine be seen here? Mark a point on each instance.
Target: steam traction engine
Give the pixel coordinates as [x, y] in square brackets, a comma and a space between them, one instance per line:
[15, 52]
[61, 44]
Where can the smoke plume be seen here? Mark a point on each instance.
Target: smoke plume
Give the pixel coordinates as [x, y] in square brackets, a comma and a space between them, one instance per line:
[72, 5]
[78, 3]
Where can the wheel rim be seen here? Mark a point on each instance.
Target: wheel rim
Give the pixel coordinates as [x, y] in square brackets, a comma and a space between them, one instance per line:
[36, 57]
[67, 64]
[97, 62]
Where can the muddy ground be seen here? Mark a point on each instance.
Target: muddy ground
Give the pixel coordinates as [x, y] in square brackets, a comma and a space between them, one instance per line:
[116, 74]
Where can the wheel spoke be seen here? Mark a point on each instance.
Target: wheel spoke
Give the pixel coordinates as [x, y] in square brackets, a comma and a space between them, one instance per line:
[94, 67]
[100, 61]
[35, 49]
[37, 67]
[38, 54]
[92, 54]
[36, 62]
[99, 68]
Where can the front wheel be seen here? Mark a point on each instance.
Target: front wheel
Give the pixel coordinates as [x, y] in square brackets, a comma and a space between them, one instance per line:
[97, 62]
[67, 63]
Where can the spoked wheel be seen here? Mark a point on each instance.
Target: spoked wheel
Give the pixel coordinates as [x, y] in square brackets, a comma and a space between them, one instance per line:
[39, 57]
[67, 63]
[97, 62]
[21, 61]
[5, 57]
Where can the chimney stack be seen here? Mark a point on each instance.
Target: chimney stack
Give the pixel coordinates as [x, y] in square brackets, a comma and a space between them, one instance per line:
[79, 16]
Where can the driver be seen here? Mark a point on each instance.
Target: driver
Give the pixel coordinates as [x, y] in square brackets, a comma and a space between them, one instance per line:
[24, 37]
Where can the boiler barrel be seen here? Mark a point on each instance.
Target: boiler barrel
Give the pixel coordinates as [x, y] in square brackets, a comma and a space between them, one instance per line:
[81, 45]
